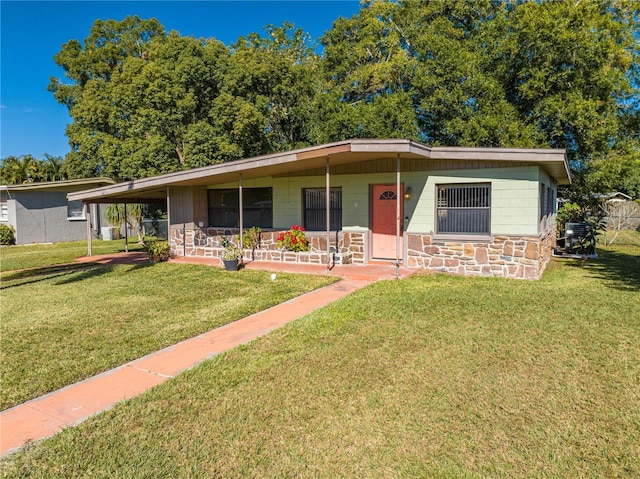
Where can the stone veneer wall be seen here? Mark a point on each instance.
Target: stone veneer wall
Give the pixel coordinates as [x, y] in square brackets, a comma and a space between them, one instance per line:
[522, 257]
[507, 256]
[207, 242]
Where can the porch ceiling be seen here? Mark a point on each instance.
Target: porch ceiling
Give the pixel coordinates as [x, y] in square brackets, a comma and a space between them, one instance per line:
[154, 189]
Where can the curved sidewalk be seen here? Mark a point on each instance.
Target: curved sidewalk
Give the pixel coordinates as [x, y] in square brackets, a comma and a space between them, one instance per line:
[49, 414]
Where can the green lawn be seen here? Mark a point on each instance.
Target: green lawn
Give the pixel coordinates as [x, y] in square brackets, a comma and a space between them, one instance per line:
[432, 376]
[61, 325]
[31, 256]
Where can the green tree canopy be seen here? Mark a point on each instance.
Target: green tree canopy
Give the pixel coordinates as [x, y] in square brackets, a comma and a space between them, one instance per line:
[15, 170]
[553, 74]
[560, 74]
[173, 102]
[276, 75]
[104, 51]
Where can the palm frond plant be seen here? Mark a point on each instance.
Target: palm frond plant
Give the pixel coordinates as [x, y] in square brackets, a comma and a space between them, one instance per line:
[116, 218]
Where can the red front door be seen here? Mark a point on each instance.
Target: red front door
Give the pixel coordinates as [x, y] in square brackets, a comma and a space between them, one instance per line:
[384, 200]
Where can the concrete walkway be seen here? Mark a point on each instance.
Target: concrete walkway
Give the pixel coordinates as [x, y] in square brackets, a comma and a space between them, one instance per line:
[49, 414]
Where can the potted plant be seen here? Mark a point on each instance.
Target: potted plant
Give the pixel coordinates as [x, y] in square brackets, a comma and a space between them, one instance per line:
[230, 255]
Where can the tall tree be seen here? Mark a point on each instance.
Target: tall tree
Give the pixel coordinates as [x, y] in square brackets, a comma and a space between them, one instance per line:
[89, 68]
[274, 75]
[414, 69]
[566, 67]
[179, 102]
[104, 51]
[524, 74]
[458, 100]
[158, 116]
[560, 74]
[369, 74]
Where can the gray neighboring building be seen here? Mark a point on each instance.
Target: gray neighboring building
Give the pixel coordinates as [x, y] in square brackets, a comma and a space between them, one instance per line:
[41, 213]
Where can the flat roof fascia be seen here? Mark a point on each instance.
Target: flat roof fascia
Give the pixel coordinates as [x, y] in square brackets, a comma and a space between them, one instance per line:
[544, 157]
[48, 185]
[260, 162]
[457, 153]
[236, 166]
[175, 179]
[302, 157]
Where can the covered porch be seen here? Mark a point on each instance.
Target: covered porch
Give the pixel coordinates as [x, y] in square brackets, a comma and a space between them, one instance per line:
[194, 232]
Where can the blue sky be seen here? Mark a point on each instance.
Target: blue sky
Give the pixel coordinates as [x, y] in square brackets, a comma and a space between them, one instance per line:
[32, 122]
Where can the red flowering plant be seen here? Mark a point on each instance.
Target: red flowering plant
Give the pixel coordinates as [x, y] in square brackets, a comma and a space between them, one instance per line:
[294, 239]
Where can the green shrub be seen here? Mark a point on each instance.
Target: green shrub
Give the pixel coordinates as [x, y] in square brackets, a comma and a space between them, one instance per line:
[158, 251]
[7, 235]
[251, 237]
[569, 213]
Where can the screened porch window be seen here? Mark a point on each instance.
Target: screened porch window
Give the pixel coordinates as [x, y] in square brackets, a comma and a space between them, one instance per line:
[464, 209]
[315, 208]
[257, 207]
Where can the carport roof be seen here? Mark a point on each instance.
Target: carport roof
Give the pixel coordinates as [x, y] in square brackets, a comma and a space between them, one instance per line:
[154, 189]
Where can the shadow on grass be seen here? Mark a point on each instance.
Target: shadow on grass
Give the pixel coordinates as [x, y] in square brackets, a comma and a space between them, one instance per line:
[617, 270]
[35, 275]
[98, 270]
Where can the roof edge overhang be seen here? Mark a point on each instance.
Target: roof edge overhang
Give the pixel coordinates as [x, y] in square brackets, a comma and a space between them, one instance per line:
[46, 185]
[154, 188]
[542, 156]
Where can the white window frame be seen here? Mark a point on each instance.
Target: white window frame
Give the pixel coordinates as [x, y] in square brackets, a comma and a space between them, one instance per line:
[4, 209]
[482, 208]
[72, 217]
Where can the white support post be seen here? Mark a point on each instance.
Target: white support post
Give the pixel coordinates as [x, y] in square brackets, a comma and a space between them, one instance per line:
[126, 230]
[168, 218]
[399, 198]
[88, 217]
[328, 208]
[241, 217]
